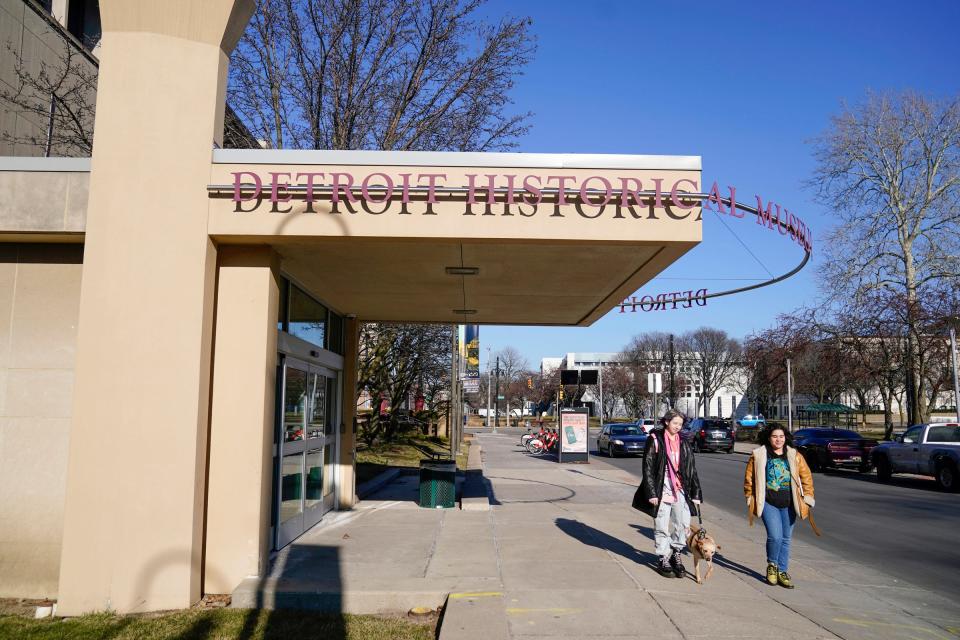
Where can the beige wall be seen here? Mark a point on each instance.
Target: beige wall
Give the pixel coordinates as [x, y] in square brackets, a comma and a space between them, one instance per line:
[43, 201]
[346, 496]
[242, 418]
[39, 301]
[133, 523]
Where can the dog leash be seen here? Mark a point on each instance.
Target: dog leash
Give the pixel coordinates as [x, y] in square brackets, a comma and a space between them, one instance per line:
[702, 533]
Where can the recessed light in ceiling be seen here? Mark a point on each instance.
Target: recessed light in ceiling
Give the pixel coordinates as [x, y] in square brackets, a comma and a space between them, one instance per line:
[462, 271]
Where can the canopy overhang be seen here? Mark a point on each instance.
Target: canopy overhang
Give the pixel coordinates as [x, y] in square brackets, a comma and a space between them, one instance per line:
[546, 239]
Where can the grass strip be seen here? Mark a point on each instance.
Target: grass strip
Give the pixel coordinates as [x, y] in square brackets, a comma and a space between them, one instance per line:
[216, 624]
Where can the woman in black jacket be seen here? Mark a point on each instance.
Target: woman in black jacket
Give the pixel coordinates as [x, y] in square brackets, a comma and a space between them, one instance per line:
[670, 491]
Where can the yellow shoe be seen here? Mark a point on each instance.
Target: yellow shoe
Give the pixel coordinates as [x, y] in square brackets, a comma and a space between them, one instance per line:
[772, 574]
[783, 579]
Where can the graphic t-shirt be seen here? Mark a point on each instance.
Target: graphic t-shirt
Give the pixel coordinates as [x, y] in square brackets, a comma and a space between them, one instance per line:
[778, 479]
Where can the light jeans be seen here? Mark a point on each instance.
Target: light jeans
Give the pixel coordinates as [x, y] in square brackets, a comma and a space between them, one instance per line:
[779, 524]
[671, 525]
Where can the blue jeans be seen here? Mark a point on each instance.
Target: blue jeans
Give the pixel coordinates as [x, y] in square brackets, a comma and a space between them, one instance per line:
[779, 524]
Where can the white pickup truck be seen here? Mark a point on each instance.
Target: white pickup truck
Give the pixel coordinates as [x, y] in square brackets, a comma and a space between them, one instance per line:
[926, 449]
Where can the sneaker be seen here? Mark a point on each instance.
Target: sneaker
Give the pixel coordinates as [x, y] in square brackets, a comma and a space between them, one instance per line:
[664, 568]
[783, 579]
[772, 574]
[678, 569]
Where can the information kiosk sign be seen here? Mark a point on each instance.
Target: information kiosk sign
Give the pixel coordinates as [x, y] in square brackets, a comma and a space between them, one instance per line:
[574, 435]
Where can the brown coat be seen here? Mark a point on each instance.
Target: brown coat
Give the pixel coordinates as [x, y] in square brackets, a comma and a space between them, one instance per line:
[755, 485]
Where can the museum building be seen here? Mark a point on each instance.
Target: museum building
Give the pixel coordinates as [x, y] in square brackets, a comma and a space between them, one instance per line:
[178, 362]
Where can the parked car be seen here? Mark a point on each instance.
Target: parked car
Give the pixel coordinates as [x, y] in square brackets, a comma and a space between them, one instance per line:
[648, 424]
[832, 447]
[626, 438]
[750, 420]
[709, 434]
[924, 449]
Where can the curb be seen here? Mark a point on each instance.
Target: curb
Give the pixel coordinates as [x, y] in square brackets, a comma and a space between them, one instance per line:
[474, 495]
[466, 613]
[251, 595]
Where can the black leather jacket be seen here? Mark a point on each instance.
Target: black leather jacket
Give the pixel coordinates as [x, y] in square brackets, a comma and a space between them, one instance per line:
[654, 470]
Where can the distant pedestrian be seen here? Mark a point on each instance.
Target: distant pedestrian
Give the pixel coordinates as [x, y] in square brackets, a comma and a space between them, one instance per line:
[669, 491]
[778, 486]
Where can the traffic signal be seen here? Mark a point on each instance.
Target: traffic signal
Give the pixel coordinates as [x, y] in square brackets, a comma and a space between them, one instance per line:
[529, 383]
[561, 394]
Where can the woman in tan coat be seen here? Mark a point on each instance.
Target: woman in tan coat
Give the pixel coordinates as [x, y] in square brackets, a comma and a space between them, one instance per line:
[778, 486]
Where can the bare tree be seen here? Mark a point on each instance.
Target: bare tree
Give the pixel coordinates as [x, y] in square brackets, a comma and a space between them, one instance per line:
[715, 357]
[380, 74]
[396, 360]
[890, 167]
[512, 364]
[618, 381]
[61, 93]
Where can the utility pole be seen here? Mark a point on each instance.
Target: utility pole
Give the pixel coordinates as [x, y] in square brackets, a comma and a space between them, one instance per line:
[600, 379]
[496, 407]
[789, 398]
[956, 383]
[489, 388]
[673, 388]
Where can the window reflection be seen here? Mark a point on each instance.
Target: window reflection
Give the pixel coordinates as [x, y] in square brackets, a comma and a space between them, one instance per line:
[294, 404]
[331, 413]
[291, 487]
[318, 411]
[307, 318]
[328, 462]
[315, 479]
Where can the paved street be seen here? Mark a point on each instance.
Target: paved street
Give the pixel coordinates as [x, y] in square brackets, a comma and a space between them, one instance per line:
[907, 528]
[904, 527]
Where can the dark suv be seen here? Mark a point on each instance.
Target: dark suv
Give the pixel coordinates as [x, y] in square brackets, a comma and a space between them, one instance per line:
[710, 434]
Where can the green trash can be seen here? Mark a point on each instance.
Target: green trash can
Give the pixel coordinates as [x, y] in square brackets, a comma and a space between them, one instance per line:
[438, 483]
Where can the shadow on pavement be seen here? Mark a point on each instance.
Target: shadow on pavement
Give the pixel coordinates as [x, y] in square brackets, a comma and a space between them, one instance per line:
[629, 484]
[736, 567]
[595, 538]
[570, 493]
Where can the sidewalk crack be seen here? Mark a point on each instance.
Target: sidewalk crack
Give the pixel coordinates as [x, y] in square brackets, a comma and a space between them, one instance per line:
[669, 617]
[433, 546]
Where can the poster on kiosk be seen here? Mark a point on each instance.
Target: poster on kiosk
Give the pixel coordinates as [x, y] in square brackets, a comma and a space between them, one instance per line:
[573, 435]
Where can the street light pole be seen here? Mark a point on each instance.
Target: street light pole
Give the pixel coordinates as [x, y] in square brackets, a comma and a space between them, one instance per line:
[489, 388]
[496, 407]
[600, 379]
[956, 383]
[789, 398]
[673, 389]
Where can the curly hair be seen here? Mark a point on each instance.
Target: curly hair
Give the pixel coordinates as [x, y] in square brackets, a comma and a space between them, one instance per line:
[764, 436]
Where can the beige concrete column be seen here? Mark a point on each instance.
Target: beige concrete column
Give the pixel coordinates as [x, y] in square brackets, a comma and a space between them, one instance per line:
[242, 410]
[348, 438]
[135, 478]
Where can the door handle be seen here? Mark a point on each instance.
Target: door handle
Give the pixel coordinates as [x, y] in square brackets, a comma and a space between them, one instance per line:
[916, 449]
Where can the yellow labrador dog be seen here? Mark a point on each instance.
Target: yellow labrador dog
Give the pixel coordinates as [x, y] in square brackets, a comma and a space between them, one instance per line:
[702, 547]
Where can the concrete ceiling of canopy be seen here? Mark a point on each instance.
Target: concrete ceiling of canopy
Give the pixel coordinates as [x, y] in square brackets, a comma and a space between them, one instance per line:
[558, 283]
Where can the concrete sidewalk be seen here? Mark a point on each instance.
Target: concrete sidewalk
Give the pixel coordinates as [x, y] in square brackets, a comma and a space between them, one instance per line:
[560, 554]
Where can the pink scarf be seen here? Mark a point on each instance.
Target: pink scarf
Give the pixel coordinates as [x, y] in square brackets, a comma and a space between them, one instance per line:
[673, 457]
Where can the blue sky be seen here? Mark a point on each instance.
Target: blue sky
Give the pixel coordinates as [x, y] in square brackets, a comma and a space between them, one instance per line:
[744, 85]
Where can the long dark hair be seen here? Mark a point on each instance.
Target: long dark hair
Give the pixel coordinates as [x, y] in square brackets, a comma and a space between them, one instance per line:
[764, 436]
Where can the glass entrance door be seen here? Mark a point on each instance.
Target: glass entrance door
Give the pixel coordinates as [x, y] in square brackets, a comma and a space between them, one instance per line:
[307, 447]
